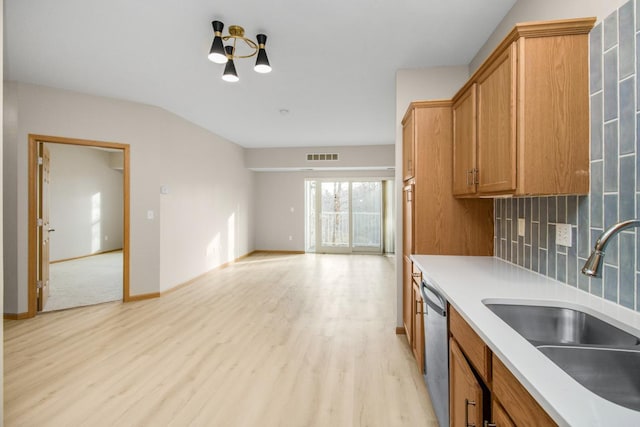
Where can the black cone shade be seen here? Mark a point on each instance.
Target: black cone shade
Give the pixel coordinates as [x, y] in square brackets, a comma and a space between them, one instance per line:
[230, 74]
[216, 53]
[262, 62]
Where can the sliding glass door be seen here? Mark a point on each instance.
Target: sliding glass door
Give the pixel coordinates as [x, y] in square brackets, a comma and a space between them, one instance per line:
[344, 216]
[334, 217]
[366, 214]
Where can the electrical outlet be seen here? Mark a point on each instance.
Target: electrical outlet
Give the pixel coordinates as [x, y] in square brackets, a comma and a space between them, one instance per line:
[290, 237]
[150, 214]
[521, 227]
[563, 235]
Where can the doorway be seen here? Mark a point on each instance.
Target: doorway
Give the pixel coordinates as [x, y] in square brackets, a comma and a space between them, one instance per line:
[41, 230]
[344, 216]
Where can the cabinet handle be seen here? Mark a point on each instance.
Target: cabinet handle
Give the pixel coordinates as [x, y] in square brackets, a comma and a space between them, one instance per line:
[416, 274]
[487, 424]
[419, 307]
[468, 402]
[476, 176]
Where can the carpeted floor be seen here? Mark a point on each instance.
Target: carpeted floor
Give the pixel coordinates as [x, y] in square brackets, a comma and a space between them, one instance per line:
[85, 281]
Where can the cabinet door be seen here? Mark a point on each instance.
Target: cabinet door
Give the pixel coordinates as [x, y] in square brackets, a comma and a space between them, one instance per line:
[497, 125]
[464, 143]
[407, 298]
[407, 250]
[408, 147]
[499, 416]
[465, 392]
[407, 219]
[417, 344]
[516, 400]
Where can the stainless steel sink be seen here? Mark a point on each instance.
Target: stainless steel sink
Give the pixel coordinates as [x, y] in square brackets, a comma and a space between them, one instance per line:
[602, 357]
[558, 325]
[613, 374]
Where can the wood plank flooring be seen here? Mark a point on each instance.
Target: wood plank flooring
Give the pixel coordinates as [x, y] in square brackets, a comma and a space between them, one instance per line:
[273, 340]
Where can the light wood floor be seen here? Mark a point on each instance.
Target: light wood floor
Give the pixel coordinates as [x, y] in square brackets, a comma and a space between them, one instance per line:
[296, 340]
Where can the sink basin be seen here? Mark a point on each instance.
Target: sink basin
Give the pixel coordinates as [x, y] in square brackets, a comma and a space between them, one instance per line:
[613, 374]
[558, 325]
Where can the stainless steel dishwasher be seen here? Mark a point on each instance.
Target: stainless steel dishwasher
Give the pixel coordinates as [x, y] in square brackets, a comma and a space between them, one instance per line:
[436, 350]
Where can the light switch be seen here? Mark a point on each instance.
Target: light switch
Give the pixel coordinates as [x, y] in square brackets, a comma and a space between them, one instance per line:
[521, 227]
[164, 189]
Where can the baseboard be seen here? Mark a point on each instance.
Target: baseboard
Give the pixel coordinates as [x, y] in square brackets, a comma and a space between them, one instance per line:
[142, 297]
[16, 316]
[85, 256]
[187, 283]
[400, 330]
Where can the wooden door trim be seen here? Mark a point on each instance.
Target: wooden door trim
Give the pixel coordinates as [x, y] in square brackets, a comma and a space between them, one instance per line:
[32, 234]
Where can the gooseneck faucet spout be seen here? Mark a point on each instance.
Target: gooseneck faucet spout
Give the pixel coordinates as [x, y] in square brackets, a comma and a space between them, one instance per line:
[593, 264]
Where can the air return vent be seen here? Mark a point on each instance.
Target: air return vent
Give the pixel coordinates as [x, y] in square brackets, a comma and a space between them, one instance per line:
[322, 157]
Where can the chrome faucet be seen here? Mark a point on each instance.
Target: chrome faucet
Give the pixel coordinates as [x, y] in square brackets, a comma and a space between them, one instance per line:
[593, 264]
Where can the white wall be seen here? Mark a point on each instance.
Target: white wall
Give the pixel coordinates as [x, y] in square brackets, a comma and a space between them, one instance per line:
[541, 10]
[354, 157]
[418, 85]
[165, 150]
[207, 216]
[80, 178]
[278, 192]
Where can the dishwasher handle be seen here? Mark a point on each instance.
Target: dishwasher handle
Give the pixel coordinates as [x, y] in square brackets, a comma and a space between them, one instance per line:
[440, 309]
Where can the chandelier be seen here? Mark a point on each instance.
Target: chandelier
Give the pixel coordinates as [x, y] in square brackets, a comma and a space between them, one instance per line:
[239, 47]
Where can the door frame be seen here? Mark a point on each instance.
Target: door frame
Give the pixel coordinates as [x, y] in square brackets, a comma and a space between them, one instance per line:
[318, 198]
[32, 235]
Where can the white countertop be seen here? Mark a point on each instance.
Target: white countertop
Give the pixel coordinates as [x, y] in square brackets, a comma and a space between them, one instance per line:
[468, 281]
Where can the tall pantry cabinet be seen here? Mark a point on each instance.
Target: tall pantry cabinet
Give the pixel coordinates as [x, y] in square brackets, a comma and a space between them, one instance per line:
[434, 221]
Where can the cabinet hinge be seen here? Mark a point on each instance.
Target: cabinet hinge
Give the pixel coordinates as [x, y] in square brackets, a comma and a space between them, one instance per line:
[40, 222]
[39, 284]
[40, 161]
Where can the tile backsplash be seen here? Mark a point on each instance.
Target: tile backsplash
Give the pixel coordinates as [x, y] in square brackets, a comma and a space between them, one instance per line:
[615, 179]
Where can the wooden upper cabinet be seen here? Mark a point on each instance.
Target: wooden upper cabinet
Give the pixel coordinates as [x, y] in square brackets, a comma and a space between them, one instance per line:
[442, 224]
[497, 125]
[408, 146]
[532, 124]
[464, 143]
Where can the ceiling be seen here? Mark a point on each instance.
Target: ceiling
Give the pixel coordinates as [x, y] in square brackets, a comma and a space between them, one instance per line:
[334, 61]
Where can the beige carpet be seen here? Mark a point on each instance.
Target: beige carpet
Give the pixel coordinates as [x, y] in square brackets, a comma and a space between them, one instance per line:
[85, 281]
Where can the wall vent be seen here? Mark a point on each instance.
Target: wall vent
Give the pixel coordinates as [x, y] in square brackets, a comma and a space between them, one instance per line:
[322, 157]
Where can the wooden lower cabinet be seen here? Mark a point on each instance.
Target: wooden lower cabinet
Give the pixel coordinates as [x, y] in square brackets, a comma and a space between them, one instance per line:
[521, 406]
[417, 343]
[407, 297]
[499, 416]
[493, 398]
[466, 396]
